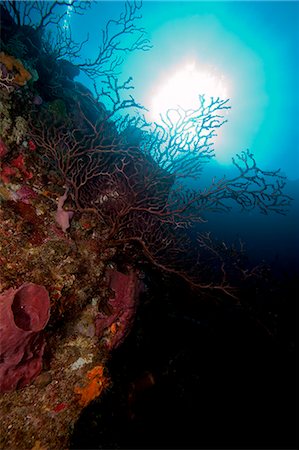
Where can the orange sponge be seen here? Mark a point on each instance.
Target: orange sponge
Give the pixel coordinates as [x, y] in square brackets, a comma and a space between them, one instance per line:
[21, 75]
[97, 382]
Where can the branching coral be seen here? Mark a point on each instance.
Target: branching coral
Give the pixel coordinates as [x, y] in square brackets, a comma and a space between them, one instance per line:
[140, 203]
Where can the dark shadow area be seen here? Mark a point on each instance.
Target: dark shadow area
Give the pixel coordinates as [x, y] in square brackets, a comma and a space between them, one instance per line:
[195, 374]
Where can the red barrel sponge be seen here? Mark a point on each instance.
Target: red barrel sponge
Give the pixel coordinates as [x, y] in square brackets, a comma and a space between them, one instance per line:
[24, 313]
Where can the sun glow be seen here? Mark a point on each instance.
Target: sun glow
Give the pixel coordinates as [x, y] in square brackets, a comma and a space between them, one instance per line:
[183, 88]
[69, 9]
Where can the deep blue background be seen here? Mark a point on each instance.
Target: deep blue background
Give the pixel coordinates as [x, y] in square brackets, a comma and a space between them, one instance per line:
[255, 45]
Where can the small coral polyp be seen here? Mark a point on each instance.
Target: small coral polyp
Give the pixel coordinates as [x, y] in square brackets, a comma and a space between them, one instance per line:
[24, 312]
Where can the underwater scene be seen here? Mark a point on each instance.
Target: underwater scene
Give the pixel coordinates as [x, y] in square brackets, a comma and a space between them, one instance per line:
[149, 217]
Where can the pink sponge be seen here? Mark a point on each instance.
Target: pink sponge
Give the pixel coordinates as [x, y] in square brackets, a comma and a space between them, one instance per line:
[24, 312]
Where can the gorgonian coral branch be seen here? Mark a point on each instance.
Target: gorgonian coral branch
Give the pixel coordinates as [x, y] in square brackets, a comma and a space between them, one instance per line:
[251, 188]
[131, 182]
[112, 45]
[183, 141]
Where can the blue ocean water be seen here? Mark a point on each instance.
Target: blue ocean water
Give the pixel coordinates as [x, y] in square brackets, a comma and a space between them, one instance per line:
[255, 45]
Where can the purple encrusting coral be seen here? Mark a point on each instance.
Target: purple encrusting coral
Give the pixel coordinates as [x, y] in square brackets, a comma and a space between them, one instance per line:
[24, 313]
